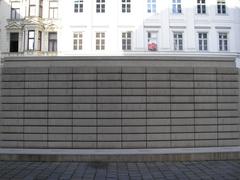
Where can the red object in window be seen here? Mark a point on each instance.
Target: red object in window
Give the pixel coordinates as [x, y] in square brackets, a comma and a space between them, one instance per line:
[152, 47]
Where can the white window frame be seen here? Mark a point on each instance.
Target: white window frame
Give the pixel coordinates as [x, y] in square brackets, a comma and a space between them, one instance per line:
[151, 6]
[52, 43]
[78, 6]
[100, 41]
[201, 7]
[100, 6]
[77, 41]
[178, 44]
[15, 13]
[127, 41]
[126, 6]
[221, 7]
[31, 40]
[177, 6]
[202, 41]
[32, 8]
[152, 40]
[223, 43]
[53, 10]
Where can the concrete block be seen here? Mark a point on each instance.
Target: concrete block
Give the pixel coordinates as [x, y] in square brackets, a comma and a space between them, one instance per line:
[36, 70]
[60, 77]
[36, 122]
[108, 92]
[158, 84]
[132, 145]
[206, 106]
[229, 135]
[228, 85]
[36, 99]
[182, 136]
[84, 84]
[108, 137]
[158, 77]
[229, 92]
[60, 122]
[228, 113]
[230, 142]
[12, 85]
[158, 114]
[227, 70]
[179, 144]
[13, 99]
[109, 130]
[228, 128]
[158, 70]
[205, 85]
[158, 144]
[109, 77]
[181, 77]
[206, 128]
[35, 129]
[84, 92]
[60, 114]
[36, 107]
[158, 129]
[206, 143]
[35, 137]
[109, 107]
[182, 114]
[227, 99]
[109, 145]
[182, 107]
[206, 99]
[158, 122]
[12, 129]
[60, 92]
[158, 137]
[134, 122]
[60, 70]
[60, 137]
[84, 99]
[84, 107]
[133, 77]
[226, 77]
[206, 114]
[109, 99]
[133, 114]
[85, 115]
[12, 144]
[34, 145]
[13, 114]
[84, 77]
[158, 99]
[133, 99]
[110, 70]
[84, 70]
[85, 145]
[109, 122]
[84, 122]
[205, 92]
[36, 92]
[84, 130]
[206, 121]
[60, 99]
[12, 92]
[205, 77]
[182, 92]
[133, 107]
[158, 92]
[60, 107]
[182, 99]
[158, 107]
[12, 77]
[63, 144]
[133, 70]
[205, 70]
[228, 120]
[85, 137]
[133, 84]
[133, 129]
[133, 137]
[36, 77]
[208, 135]
[12, 122]
[109, 84]
[12, 107]
[60, 84]
[134, 92]
[12, 137]
[181, 70]
[182, 129]
[13, 70]
[182, 121]
[109, 114]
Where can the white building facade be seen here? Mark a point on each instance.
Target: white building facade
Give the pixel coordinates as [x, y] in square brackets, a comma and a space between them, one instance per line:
[119, 27]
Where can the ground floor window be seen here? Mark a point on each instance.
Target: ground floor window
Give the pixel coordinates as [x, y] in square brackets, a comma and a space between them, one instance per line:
[52, 41]
[14, 42]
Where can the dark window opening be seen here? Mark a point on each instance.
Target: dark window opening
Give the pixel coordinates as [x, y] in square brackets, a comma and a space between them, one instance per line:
[13, 42]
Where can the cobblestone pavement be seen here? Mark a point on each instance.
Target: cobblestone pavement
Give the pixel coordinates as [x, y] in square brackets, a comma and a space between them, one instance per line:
[122, 171]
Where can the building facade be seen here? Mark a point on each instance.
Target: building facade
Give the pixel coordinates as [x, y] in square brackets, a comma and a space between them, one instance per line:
[122, 27]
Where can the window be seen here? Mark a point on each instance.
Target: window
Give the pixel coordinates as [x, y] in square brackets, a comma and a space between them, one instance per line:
[14, 42]
[32, 7]
[178, 41]
[151, 6]
[126, 41]
[223, 41]
[52, 41]
[126, 6]
[39, 40]
[152, 41]
[53, 9]
[221, 7]
[201, 6]
[176, 7]
[100, 41]
[15, 10]
[77, 41]
[78, 6]
[31, 39]
[203, 41]
[40, 8]
[100, 6]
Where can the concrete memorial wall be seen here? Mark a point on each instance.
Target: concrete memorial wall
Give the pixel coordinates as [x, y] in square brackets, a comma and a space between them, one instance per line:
[105, 104]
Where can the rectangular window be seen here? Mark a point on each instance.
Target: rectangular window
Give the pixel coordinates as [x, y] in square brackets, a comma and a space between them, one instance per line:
[31, 39]
[178, 41]
[52, 41]
[126, 6]
[39, 40]
[14, 42]
[15, 13]
[78, 6]
[152, 39]
[223, 41]
[77, 41]
[221, 7]
[40, 8]
[100, 41]
[176, 6]
[126, 41]
[53, 9]
[100, 6]
[151, 6]
[203, 41]
[32, 7]
[201, 6]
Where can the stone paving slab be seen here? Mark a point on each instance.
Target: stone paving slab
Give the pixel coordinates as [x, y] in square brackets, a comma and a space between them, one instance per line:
[216, 170]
